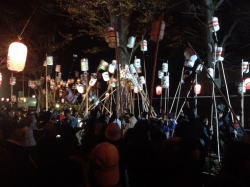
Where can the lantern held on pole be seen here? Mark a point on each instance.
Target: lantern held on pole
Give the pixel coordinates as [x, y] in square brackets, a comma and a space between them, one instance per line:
[158, 90]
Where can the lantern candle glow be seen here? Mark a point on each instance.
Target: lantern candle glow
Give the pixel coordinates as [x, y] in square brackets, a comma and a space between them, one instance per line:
[17, 54]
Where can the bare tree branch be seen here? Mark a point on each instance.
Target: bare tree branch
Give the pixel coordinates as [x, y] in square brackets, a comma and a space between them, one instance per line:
[229, 34]
[219, 4]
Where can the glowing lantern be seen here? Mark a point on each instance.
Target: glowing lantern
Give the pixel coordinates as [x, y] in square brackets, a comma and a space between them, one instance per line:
[2, 99]
[7, 100]
[158, 90]
[16, 56]
[136, 89]
[144, 45]
[247, 83]
[105, 76]
[197, 89]
[131, 42]
[80, 88]
[33, 96]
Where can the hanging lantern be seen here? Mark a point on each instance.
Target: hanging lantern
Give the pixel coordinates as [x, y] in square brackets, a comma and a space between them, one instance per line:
[158, 90]
[144, 45]
[93, 79]
[214, 24]
[136, 89]
[247, 83]
[218, 54]
[12, 81]
[142, 80]
[165, 82]
[210, 72]
[160, 74]
[190, 62]
[49, 61]
[58, 68]
[137, 64]
[197, 89]
[241, 88]
[165, 67]
[199, 68]
[111, 68]
[244, 67]
[132, 68]
[17, 54]
[80, 88]
[84, 64]
[103, 65]
[131, 42]
[105, 76]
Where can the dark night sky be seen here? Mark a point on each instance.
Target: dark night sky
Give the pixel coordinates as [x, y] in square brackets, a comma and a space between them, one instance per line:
[45, 24]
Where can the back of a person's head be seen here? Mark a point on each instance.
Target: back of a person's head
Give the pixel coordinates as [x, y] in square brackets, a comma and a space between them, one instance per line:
[105, 164]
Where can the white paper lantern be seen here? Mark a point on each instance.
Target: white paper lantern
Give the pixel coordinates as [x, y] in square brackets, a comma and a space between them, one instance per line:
[241, 88]
[1, 79]
[105, 76]
[17, 54]
[142, 80]
[160, 74]
[58, 68]
[132, 68]
[214, 24]
[144, 45]
[49, 60]
[165, 82]
[190, 62]
[111, 68]
[93, 79]
[165, 67]
[219, 51]
[199, 68]
[80, 88]
[245, 67]
[131, 42]
[84, 64]
[136, 89]
[137, 64]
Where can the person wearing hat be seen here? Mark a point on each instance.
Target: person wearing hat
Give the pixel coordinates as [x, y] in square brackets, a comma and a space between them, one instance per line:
[113, 132]
[104, 166]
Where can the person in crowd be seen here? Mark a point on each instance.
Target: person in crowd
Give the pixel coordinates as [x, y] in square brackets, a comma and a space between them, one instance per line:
[69, 119]
[207, 133]
[16, 166]
[104, 166]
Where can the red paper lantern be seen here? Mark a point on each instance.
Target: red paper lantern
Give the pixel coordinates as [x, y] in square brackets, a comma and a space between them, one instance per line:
[197, 89]
[158, 90]
[16, 56]
[247, 83]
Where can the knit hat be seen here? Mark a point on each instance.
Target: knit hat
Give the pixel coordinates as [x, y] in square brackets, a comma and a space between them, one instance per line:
[105, 160]
[113, 132]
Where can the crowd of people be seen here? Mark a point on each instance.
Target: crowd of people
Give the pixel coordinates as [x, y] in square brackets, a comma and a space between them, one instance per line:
[63, 148]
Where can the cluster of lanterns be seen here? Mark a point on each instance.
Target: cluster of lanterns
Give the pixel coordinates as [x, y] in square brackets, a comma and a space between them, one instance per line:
[163, 75]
